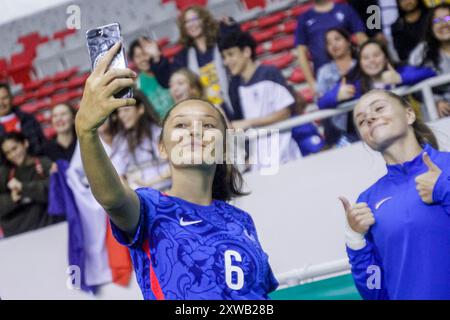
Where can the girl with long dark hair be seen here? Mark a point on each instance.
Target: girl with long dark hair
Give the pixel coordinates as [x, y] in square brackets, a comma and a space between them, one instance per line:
[434, 52]
[187, 243]
[343, 57]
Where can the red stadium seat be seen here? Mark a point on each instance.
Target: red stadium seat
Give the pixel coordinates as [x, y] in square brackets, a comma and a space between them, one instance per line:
[29, 95]
[61, 85]
[270, 20]
[281, 61]
[297, 76]
[3, 68]
[43, 117]
[248, 25]
[21, 67]
[250, 4]
[49, 132]
[32, 85]
[163, 42]
[66, 74]
[299, 9]
[66, 96]
[61, 98]
[61, 35]
[183, 4]
[264, 35]
[288, 27]
[44, 92]
[284, 43]
[77, 81]
[19, 100]
[307, 94]
[170, 52]
[34, 107]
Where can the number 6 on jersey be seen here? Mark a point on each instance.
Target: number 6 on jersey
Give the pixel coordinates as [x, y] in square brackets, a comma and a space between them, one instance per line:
[229, 269]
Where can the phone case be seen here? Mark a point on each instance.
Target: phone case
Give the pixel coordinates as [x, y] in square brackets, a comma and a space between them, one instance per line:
[99, 41]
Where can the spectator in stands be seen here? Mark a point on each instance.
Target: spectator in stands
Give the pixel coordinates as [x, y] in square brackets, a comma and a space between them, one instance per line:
[135, 146]
[343, 59]
[23, 187]
[146, 80]
[184, 84]
[409, 26]
[13, 120]
[434, 52]
[375, 71]
[63, 145]
[199, 34]
[312, 26]
[259, 93]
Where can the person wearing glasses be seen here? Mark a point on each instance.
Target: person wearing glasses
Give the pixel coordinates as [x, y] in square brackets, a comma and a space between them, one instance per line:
[434, 52]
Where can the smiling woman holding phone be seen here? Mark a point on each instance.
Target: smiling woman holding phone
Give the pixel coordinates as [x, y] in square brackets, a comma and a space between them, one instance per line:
[398, 232]
[188, 243]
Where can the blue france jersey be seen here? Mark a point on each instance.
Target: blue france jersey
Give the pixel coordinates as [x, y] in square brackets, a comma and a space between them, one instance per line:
[186, 251]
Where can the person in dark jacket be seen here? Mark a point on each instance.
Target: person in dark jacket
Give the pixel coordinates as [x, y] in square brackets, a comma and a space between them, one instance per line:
[199, 35]
[13, 120]
[408, 28]
[23, 187]
[63, 145]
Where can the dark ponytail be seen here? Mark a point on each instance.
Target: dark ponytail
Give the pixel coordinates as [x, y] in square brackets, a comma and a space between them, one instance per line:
[228, 181]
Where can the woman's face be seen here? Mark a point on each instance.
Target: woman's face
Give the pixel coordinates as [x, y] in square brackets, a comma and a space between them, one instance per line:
[179, 87]
[408, 5]
[140, 59]
[337, 45]
[193, 24]
[381, 120]
[15, 152]
[191, 135]
[441, 24]
[62, 119]
[129, 116]
[372, 60]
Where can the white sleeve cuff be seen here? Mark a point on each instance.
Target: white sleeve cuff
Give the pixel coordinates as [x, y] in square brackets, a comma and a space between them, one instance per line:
[353, 239]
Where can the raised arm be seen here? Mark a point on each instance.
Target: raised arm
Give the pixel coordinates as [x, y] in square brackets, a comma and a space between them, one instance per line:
[98, 102]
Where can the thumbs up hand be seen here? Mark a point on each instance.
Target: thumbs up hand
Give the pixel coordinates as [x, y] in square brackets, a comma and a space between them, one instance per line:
[359, 217]
[391, 76]
[346, 91]
[425, 182]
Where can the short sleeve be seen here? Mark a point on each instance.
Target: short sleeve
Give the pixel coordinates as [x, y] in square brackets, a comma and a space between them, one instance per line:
[301, 37]
[146, 216]
[279, 95]
[355, 23]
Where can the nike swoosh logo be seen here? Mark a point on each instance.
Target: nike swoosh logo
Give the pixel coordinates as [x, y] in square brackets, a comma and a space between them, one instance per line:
[379, 203]
[188, 223]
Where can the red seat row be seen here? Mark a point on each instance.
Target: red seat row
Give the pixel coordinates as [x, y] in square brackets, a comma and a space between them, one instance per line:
[277, 45]
[268, 33]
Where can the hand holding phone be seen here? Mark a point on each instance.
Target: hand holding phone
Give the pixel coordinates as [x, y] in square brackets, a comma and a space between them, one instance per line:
[99, 41]
[98, 100]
